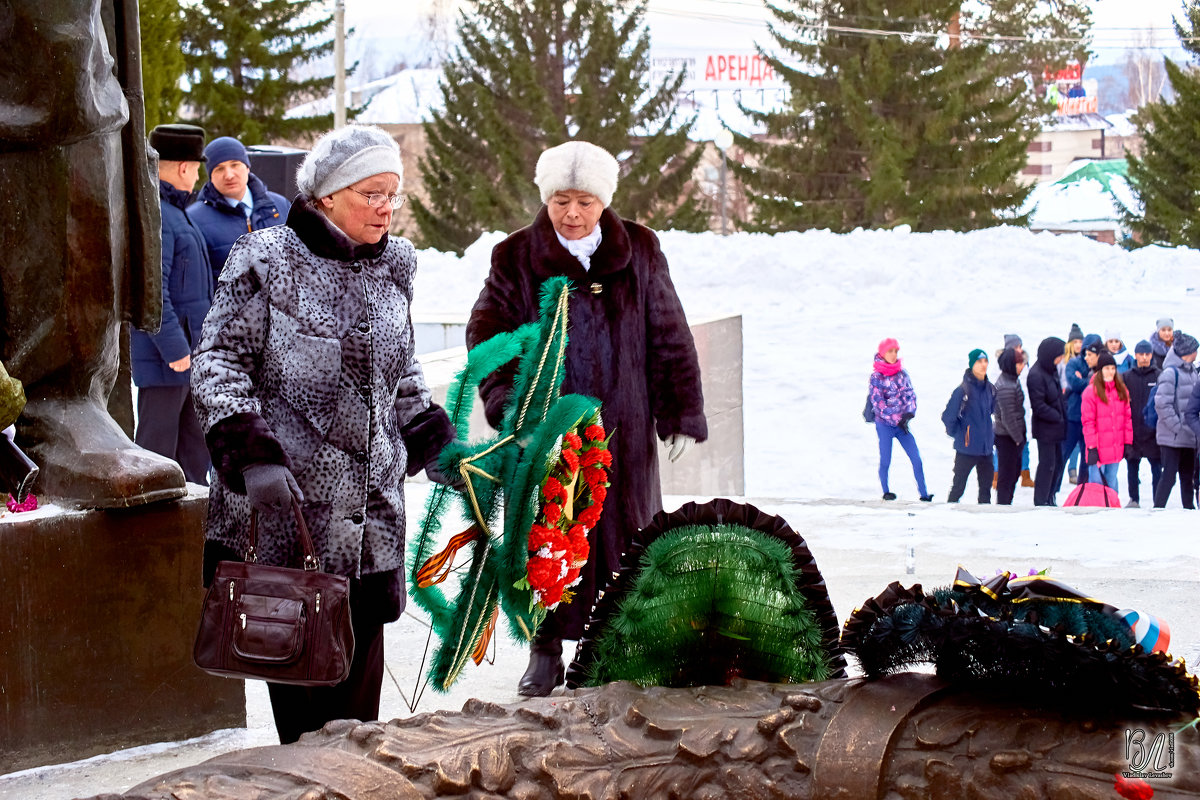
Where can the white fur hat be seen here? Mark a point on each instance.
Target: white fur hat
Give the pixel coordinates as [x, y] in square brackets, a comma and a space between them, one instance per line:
[346, 156]
[581, 166]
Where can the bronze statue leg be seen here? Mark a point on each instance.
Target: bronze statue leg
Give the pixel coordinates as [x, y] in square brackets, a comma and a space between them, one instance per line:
[63, 254]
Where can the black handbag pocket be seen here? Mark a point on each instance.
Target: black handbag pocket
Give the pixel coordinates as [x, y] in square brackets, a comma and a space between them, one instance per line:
[268, 629]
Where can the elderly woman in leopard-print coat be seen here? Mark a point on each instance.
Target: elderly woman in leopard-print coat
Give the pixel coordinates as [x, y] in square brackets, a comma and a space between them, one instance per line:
[308, 390]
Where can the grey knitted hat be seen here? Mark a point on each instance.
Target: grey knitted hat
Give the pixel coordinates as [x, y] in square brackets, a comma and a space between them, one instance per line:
[582, 166]
[1184, 345]
[346, 156]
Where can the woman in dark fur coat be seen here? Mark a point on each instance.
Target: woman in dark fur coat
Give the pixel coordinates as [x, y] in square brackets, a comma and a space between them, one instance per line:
[630, 347]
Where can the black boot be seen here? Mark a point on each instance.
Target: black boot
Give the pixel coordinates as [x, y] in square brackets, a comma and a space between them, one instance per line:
[545, 670]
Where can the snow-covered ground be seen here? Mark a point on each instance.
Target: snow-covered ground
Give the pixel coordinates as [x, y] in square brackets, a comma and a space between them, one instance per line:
[814, 306]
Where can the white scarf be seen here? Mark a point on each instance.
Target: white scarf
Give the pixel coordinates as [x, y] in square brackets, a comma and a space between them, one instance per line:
[582, 248]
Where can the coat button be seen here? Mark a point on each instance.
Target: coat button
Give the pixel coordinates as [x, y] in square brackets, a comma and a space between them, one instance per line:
[360, 457]
[356, 268]
[596, 288]
[364, 327]
[357, 518]
[365, 390]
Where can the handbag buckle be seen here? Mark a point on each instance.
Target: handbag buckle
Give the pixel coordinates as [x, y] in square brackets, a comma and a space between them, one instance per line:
[311, 563]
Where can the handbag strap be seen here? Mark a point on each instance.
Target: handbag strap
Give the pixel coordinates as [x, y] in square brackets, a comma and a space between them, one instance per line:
[311, 562]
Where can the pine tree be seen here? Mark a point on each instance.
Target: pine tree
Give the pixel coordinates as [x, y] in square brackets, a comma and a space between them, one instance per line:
[238, 55]
[1166, 178]
[532, 74]
[900, 124]
[162, 60]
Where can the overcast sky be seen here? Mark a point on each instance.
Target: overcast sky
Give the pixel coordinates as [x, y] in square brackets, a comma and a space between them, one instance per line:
[1118, 24]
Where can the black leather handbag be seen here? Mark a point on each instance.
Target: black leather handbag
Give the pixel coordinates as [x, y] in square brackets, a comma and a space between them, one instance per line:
[276, 624]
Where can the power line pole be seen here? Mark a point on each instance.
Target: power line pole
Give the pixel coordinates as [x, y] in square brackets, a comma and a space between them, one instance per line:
[339, 63]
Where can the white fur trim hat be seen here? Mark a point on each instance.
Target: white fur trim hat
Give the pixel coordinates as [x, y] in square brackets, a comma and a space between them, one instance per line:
[346, 156]
[581, 166]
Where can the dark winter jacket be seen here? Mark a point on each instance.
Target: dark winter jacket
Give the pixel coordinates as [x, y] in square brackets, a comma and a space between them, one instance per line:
[629, 346]
[1079, 374]
[1139, 381]
[1010, 399]
[308, 361]
[1171, 400]
[1047, 404]
[223, 224]
[968, 416]
[892, 396]
[187, 293]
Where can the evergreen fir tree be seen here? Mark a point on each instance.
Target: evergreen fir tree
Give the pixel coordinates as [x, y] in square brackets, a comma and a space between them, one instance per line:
[532, 74]
[1166, 178]
[238, 55]
[906, 126]
[162, 60]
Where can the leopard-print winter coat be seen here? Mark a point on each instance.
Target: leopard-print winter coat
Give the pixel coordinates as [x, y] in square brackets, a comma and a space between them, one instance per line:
[307, 360]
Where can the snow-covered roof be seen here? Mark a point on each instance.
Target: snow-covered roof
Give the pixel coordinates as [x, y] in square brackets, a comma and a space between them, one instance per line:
[1077, 122]
[1089, 197]
[408, 96]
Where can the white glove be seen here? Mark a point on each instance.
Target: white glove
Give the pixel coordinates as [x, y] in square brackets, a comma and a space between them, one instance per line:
[678, 443]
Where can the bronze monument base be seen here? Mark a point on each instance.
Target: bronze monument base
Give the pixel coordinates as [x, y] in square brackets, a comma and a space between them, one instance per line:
[96, 630]
[906, 737]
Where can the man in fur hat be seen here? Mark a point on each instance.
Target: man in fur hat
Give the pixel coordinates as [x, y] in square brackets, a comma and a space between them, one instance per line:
[630, 347]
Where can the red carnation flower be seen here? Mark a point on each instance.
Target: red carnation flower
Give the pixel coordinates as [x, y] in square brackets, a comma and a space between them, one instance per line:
[572, 578]
[597, 456]
[1132, 788]
[552, 512]
[573, 441]
[543, 572]
[551, 595]
[594, 433]
[599, 493]
[594, 476]
[572, 460]
[590, 516]
[554, 490]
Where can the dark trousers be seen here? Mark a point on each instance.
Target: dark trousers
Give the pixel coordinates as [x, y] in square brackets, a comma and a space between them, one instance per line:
[1134, 467]
[1179, 460]
[300, 709]
[1008, 468]
[1049, 472]
[167, 425]
[963, 464]
[1074, 439]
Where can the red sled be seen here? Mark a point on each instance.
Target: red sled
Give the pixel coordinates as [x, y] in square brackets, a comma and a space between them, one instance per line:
[1093, 494]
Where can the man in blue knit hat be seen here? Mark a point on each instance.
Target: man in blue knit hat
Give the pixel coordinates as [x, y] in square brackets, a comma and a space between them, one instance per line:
[233, 202]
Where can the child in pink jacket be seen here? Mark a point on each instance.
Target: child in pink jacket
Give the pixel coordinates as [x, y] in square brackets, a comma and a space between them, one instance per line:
[1107, 422]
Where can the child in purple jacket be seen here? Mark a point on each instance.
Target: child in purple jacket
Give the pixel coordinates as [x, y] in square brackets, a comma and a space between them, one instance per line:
[894, 403]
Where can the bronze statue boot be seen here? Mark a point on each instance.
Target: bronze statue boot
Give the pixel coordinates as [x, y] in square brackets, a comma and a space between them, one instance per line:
[87, 461]
[545, 670]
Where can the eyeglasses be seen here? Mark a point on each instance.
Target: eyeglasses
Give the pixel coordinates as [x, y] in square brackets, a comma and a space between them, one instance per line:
[377, 200]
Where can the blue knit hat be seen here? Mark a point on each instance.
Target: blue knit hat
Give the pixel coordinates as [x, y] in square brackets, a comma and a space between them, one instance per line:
[1143, 347]
[1093, 342]
[226, 148]
[975, 355]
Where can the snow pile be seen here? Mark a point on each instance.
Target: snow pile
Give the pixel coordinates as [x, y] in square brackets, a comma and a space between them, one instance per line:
[814, 306]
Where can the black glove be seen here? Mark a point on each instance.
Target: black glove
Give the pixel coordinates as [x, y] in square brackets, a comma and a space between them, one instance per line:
[1093, 456]
[903, 423]
[1129, 452]
[435, 474]
[270, 488]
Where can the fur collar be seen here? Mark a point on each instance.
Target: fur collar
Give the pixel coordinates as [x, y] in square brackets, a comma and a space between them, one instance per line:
[325, 239]
[613, 254]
